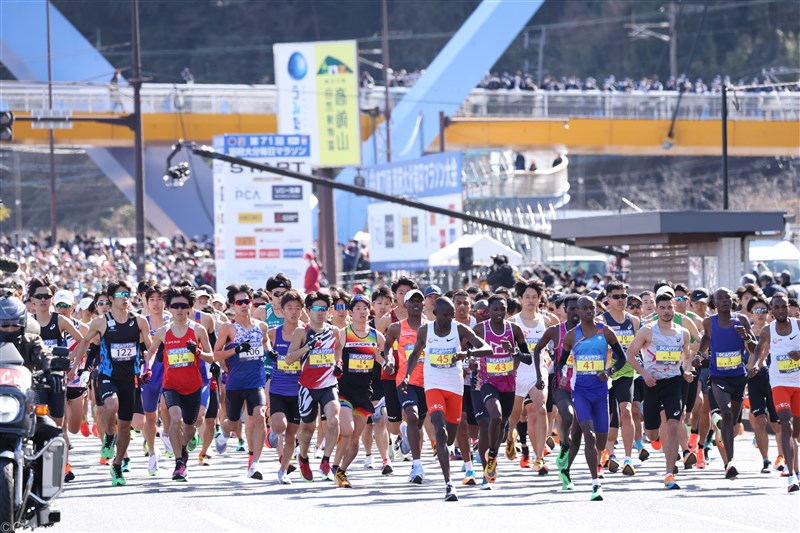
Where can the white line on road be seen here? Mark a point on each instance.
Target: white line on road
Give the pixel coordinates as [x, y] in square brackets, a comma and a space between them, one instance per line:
[219, 521]
[726, 523]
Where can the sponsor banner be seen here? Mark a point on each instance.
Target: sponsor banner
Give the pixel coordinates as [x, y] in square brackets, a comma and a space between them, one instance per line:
[403, 238]
[318, 96]
[263, 221]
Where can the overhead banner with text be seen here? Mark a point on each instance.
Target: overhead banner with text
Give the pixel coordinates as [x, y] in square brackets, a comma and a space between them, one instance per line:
[403, 238]
[262, 221]
[318, 96]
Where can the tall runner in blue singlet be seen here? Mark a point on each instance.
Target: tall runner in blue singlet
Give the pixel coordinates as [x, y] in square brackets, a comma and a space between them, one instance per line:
[589, 343]
[284, 409]
[728, 336]
[151, 391]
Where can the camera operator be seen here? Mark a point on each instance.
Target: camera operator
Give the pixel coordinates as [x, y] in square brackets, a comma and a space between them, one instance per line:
[501, 273]
[15, 329]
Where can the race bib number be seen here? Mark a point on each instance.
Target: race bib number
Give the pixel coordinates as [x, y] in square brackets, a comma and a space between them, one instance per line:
[50, 343]
[446, 358]
[625, 337]
[669, 355]
[286, 368]
[500, 367]
[123, 351]
[256, 352]
[361, 363]
[571, 359]
[787, 365]
[179, 357]
[589, 363]
[320, 358]
[729, 360]
[532, 342]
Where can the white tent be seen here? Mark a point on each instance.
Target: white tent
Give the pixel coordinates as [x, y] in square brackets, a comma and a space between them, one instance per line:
[483, 248]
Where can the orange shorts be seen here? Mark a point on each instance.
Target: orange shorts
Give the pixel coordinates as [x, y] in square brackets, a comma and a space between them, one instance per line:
[445, 401]
[787, 398]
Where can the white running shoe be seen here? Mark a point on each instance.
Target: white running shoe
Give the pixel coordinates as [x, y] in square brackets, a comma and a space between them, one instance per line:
[167, 444]
[318, 453]
[152, 464]
[283, 478]
[253, 472]
[368, 462]
[221, 442]
[417, 475]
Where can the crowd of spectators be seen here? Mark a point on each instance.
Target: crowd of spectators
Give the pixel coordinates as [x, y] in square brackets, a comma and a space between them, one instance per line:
[86, 264]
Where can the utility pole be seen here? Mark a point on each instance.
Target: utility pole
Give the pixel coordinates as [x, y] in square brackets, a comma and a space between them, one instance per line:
[138, 147]
[388, 104]
[53, 217]
[673, 41]
[725, 146]
[540, 74]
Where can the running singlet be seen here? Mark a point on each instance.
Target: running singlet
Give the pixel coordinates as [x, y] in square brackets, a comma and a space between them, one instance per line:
[246, 369]
[565, 379]
[532, 336]
[498, 369]
[71, 345]
[662, 359]
[272, 320]
[51, 334]
[405, 345]
[624, 332]
[783, 370]
[442, 370]
[119, 348]
[358, 359]
[318, 362]
[590, 358]
[284, 376]
[384, 376]
[727, 349]
[181, 367]
[157, 369]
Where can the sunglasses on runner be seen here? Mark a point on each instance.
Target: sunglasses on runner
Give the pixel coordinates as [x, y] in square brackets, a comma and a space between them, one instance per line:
[62, 306]
[319, 308]
[242, 301]
[103, 302]
[122, 294]
[618, 296]
[258, 304]
[760, 311]
[179, 305]
[278, 294]
[635, 306]
[340, 307]
[681, 298]
[42, 296]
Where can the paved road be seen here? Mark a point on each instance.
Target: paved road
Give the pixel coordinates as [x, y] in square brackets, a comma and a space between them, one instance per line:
[221, 498]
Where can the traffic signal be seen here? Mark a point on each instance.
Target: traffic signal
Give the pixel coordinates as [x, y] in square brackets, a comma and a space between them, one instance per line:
[6, 121]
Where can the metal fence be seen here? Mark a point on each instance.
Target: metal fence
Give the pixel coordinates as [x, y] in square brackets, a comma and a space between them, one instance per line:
[262, 99]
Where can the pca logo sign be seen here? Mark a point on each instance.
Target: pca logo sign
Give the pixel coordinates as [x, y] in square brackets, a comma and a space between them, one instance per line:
[298, 66]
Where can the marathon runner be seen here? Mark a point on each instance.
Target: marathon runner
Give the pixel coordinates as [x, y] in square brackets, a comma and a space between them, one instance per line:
[445, 344]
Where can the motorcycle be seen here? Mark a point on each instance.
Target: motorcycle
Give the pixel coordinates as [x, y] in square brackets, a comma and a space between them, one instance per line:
[30, 478]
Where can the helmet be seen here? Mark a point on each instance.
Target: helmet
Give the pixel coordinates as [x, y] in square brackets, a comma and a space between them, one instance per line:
[12, 313]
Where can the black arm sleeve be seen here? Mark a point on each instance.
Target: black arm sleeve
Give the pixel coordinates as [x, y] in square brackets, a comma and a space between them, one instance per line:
[91, 356]
[562, 360]
[619, 355]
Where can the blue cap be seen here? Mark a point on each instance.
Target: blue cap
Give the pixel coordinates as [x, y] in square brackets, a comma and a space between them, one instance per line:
[433, 289]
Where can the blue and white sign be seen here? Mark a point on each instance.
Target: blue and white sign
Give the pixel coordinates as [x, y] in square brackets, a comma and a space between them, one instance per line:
[403, 238]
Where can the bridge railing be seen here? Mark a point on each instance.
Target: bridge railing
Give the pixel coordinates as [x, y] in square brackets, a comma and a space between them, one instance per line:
[262, 99]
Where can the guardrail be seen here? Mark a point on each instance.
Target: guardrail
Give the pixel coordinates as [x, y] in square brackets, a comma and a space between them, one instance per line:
[262, 99]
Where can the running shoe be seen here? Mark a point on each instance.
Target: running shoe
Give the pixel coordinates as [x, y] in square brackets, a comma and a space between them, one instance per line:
[694, 439]
[185, 456]
[240, 447]
[220, 441]
[368, 462]
[765, 467]
[450, 493]
[107, 449]
[780, 463]
[126, 464]
[145, 448]
[318, 453]
[342, 481]
[486, 485]
[152, 465]
[701, 459]
[604, 459]
[283, 478]
[600, 474]
[103, 461]
[180, 472]
[511, 445]
[69, 475]
[689, 460]
[305, 469]
[168, 451]
[644, 455]
[550, 442]
[541, 467]
[194, 442]
[94, 430]
[387, 469]
[417, 474]
[85, 430]
[490, 471]
[525, 459]
[562, 459]
[469, 478]
[613, 464]
[203, 459]
[566, 480]
[405, 445]
[253, 472]
[656, 444]
[597, 493]
[325, 471]
[793, 485]
[669, 483]
[627, 468]
[117, 479]
[731, 472]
